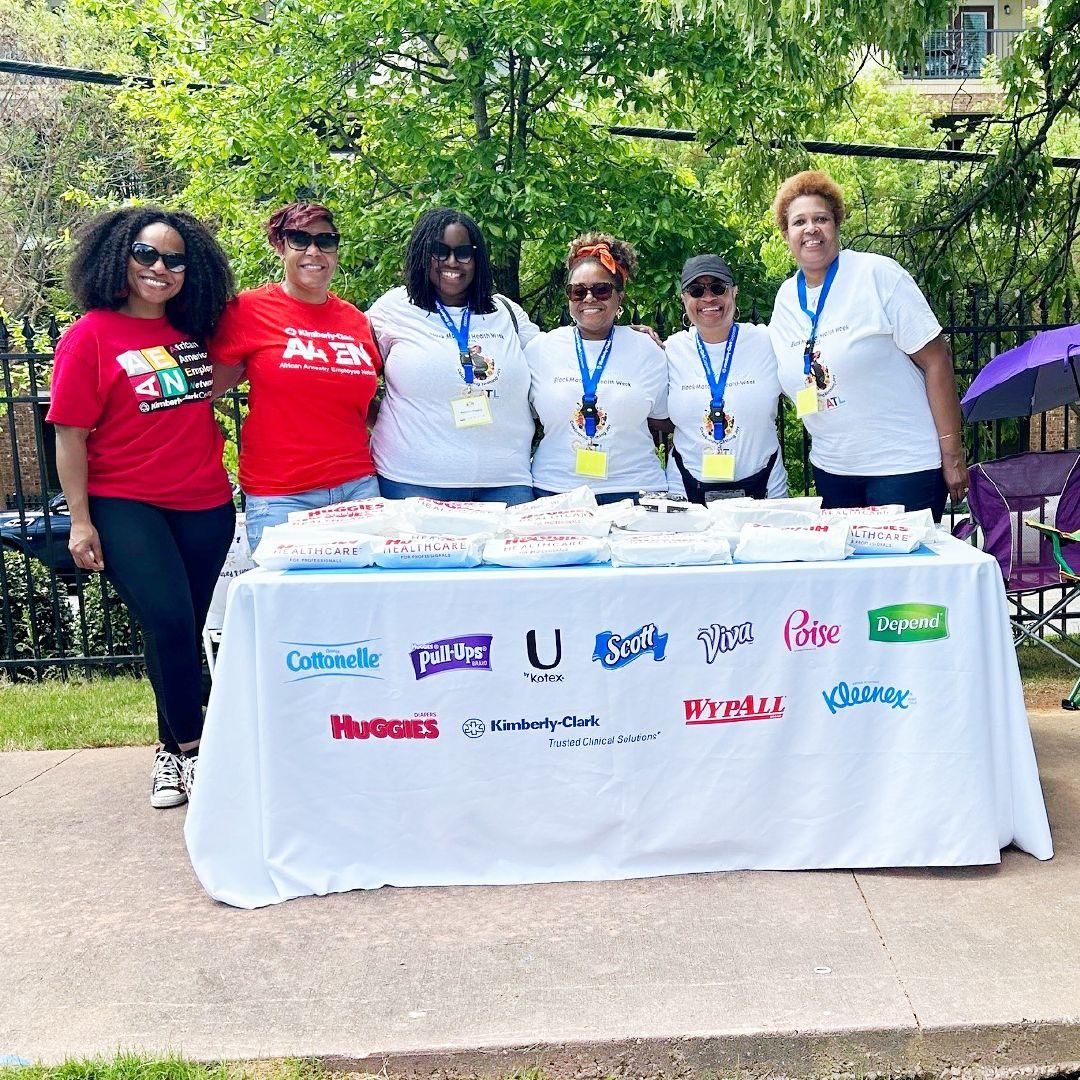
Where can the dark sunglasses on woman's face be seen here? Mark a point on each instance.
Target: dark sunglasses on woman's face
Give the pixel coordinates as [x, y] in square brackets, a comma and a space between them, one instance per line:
[601, 291]
[147, 255]
[301, 240]
[714, 288]
[462, 252]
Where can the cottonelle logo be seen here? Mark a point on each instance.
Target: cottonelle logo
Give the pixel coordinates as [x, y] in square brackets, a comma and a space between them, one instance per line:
[350, 659]
[909, 622]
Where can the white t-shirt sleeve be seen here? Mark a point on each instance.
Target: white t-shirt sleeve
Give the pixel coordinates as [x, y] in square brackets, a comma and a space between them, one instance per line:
[913, 321]
[382, 322]
[526, 328]
[660, 406]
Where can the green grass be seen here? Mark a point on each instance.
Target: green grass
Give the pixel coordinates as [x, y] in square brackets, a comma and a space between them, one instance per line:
[56, 715]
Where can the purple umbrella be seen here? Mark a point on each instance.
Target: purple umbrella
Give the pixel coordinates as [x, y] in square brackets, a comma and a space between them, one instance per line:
[1039, 375]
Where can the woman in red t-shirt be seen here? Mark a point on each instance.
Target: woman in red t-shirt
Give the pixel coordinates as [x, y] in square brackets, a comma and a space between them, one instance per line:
[312, 366]
[139, 452]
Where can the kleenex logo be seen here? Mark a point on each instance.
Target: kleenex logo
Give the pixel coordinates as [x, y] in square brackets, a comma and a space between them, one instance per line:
[846, 695]
[351, 659]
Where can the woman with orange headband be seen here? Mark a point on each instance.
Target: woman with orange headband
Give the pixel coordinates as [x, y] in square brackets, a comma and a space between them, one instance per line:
[596, 385]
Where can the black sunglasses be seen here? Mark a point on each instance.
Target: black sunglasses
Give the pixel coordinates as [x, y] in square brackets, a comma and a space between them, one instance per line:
[301, 240]
[601, 291]
[147, 255]
[462, 252]
[698, 289]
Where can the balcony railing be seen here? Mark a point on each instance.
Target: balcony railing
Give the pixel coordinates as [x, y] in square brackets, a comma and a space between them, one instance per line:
[960, 54]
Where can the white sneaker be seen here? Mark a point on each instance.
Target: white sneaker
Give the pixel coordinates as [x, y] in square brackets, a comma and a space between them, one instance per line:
[166, 782]
[187, 772]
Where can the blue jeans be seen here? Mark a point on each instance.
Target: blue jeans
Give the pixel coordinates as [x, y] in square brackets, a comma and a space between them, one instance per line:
[601, 500]
[914, 491]
[262, 511]
[511, 494]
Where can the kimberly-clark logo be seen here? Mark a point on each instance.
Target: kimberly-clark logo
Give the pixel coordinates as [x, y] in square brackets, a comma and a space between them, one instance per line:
[472, 652]
[847, 695]
[351, 659]
[909, 622]
[614, 651]
[722, 639]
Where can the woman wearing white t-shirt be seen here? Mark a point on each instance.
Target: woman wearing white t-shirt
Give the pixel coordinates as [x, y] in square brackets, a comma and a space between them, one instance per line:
[863, 357]
[723, 389]
[455, 422]
[595, 385]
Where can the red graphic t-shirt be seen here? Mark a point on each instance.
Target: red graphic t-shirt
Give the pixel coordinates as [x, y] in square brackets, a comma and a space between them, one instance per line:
[143, 389]
[313, 369]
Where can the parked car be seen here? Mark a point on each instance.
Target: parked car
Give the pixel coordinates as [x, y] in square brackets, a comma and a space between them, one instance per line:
[27, 533]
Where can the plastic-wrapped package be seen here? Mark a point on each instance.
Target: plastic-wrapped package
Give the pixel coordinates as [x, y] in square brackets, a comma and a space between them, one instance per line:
[429, 552]
[793, 543]
[641, 519]
[665, 502]
[285, 547]
[437, 518]
[919, 521]
[889, 510]
[562, 550]
[579, 498]
[577, 522]
[372, 517]
[668, 549]
[880, 537]
[805, 503]
[733, 514]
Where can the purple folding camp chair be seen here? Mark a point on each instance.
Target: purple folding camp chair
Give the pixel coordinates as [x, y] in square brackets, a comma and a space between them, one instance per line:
[1041, 487]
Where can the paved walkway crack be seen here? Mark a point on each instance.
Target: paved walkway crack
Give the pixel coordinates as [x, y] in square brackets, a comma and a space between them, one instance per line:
[888, 953]
[37, 776]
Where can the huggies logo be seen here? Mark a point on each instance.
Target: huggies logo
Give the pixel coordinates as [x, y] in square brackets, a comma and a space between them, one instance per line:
[421, 726]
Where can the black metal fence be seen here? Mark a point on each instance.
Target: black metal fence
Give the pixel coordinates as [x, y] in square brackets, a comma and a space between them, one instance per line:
[55, 620]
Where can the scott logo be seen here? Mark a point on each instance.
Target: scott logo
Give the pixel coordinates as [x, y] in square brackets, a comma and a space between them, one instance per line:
[846, 695]
[353, 659]
[733, 710]
[535, 661]
[802, 632]
[614, 651]
[909, 622]
[422, 726]
[472, 652]
[722, 639]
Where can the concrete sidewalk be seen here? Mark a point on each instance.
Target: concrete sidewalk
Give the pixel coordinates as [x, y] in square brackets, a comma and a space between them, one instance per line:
[109, 943]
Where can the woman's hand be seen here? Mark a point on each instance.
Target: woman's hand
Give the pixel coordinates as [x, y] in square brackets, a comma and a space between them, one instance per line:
[641, 329]
[954, 469]
[85, 546]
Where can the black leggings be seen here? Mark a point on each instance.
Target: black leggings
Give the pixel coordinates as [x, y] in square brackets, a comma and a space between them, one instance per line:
[165, 564]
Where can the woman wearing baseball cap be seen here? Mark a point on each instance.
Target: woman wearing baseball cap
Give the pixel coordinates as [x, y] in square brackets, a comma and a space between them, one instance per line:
[723, 388]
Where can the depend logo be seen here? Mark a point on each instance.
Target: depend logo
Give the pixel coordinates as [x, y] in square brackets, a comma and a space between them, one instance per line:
[543, 671]
[351, 659]
[847, 695]
[420, 726]
[909, 622]
[722, 639]
[472, 652]
[732, 710]
[802, 632]
[614, 651]
[474, 727]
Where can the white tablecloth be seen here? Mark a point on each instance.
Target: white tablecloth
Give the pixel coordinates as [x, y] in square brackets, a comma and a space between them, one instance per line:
[414, 728]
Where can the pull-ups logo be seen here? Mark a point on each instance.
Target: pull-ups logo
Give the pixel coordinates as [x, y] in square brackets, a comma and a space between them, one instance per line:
[722, 639]
[614, 651]
[534, 659]
[472, 652]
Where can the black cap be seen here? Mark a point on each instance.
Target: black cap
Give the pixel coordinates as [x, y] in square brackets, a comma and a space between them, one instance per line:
[706, 266]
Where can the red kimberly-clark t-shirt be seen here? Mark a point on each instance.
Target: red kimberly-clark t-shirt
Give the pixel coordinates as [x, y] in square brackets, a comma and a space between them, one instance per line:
[312, 369]
[143, 389]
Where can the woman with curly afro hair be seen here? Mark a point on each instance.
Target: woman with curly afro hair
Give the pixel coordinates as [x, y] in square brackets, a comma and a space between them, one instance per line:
[139, 452]
[596, 384]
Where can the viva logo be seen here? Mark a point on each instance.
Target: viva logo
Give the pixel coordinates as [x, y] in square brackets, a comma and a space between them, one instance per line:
[615, 651]
[909, 622]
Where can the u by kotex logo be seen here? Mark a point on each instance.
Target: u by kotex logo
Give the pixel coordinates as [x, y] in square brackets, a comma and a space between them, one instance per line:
[909, 622]
[472, 652]
[615, 651]
[314, 660]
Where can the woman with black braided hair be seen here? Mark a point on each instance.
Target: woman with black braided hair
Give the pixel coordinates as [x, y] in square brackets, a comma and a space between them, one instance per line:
[139, 452]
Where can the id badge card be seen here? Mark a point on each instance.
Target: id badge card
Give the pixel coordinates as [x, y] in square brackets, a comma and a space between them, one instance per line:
[718, 466]
[473, 411]
[806, 401]
[591, 463]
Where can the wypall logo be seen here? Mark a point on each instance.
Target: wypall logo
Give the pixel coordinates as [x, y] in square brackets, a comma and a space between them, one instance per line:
[614, 651]
[732, 710]
[909, 622]
[719, 639]
[803, 632]
[543, 672]
[850, 695]
[315, 660]
[472, 652]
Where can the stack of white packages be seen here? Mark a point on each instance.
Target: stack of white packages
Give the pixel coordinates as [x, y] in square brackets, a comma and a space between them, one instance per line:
[292, 547]
[793, 543]
[369, 517]
[437, 518]
[668, 549]
[548, 550]
[642, 519]
[878, 530]
[429, 552]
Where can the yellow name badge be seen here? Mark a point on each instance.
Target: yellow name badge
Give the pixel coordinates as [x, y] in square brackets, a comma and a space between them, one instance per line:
[718, 466]
[591, 463]
[806, 401]
[471, 411]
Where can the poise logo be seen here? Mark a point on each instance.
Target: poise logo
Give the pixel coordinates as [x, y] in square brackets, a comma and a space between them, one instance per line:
[615, 651]
[351, 659]
[719, 639]
[543, 672]
[733, 710]
[472, 652]
[849, 695]
[420, 726]
[909, 622]
[802, 632]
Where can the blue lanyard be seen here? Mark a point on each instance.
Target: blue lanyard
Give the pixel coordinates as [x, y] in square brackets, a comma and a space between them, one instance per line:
[800, 285]
[717, 383]
[590, 380]
[461, 336]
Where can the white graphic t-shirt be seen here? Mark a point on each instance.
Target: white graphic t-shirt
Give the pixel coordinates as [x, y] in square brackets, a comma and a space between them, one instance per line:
[873, 415]
[750, 400]
[416, 440]
[632, 389]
